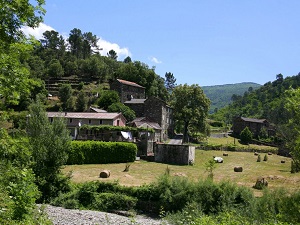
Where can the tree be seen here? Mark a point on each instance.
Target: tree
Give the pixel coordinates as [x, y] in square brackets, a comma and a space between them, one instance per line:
[190, 104]
[76, 42]
[55, 69]
[50, 143]
[15, 14]
[292, 129]
[107, 98]
[112, 54]
[81, 102]
[128, 113]
[170, 82]
[246, 135]
[127, 60]
[64, 94]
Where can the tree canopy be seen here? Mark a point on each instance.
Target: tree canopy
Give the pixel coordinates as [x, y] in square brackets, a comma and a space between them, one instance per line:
[190, 108]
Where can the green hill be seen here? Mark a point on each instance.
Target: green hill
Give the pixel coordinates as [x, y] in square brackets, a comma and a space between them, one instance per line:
[220, 95]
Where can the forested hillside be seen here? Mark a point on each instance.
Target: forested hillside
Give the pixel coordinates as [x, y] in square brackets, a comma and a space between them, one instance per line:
[267, 102]
[220, 95]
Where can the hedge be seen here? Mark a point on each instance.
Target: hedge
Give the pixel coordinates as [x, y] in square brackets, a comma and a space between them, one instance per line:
[97, 152]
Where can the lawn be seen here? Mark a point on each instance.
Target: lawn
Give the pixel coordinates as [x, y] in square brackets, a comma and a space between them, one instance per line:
[143, 172]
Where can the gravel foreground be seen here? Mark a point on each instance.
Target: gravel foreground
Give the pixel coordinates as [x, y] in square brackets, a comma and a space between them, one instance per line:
[62, 216]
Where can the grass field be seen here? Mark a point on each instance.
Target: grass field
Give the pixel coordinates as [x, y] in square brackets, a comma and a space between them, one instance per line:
[142, 172]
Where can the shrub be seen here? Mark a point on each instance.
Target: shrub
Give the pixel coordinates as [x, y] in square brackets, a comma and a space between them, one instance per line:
[95, 152]
[266, 157]
[246, 135]
[258, 158]
[113, 201]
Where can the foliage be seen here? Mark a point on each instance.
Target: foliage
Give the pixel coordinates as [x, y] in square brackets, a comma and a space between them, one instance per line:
[190, 108]
[266, 157]
[107, 98]
[50, 144]
[246, 135]
[292, 131]
[222, 95]
[210, 166]
[258, 158]
[65, 95]
[15, 14]
[91, 152]
[127, 112]
[81, 102]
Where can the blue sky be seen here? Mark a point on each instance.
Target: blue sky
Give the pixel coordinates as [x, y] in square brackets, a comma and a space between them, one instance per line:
[208, 42]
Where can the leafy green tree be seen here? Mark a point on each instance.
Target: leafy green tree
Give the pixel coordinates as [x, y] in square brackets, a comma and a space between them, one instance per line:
[50, 143]
[55, 69]
[107, 98]
[127, 60]
[292, 128]
[128, 113]
[81, 102]
[76, 42]
[15, 14]
[64, 94]
[190, 104]
[246, 135]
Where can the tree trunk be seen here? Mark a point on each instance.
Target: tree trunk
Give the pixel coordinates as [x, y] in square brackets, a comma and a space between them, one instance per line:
[185, 133]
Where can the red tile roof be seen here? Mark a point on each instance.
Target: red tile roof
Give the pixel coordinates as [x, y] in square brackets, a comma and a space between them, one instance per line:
[129, 83]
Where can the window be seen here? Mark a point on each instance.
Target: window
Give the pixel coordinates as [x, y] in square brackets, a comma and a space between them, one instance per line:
[70, 120]
[100, 122]
[51, 120]
[118, 122]
[90, 121]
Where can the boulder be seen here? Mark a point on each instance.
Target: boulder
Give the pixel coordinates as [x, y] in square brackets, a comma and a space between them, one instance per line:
[218, 159]
[104, 174]
[238, 169]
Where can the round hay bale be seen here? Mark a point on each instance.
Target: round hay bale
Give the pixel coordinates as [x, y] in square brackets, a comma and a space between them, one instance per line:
[104, 174]
[225, 154]
[269, 153]
[255, 153]
[238, 169]
[282, 161]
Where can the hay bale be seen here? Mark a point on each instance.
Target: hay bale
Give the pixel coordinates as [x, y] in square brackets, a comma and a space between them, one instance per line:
[261, 183]
[269, 153]
[255, 153]
[225, 154]
[238, 169]
[104, 174]
[282, 161]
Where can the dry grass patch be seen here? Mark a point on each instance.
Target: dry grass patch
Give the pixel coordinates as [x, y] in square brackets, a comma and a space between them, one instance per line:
[142, 172]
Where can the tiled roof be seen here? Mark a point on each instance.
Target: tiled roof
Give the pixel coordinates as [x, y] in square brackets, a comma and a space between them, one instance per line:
[83, 115]
[253, 120]
[129, 83]
[135, 101]
[143, 122]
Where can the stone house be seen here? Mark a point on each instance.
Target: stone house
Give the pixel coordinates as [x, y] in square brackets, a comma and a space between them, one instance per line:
[76, 119]
[255, 126]
[128, 90]
[157, 111]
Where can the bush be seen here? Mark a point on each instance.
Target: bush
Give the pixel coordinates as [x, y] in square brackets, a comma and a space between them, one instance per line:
[246, 135]
[266, 157]
[95, 152]
[113, 201]
[258, 158]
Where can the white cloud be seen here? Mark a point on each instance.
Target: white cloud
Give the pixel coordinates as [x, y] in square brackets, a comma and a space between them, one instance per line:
[36, 32]
[155, 60]
[106, 46]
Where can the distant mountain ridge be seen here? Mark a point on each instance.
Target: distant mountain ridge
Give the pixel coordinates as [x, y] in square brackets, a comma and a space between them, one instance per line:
[220, 95]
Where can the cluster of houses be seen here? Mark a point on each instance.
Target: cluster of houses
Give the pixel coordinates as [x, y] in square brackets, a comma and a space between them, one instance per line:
[150, 112]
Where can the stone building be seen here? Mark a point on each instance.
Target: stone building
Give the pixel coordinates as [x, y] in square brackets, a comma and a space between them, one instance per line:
[254, 125]
[157, 111]
[128, 90]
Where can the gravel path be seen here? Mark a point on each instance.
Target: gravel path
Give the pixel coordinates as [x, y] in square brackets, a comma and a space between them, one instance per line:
[62, 216]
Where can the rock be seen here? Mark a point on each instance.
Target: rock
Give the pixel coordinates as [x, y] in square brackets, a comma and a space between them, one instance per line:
[218, 159]
[238, 169]
[104, 174]
[261, 182]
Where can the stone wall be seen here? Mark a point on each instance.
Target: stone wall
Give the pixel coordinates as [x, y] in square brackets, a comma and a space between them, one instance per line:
[174, 154]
